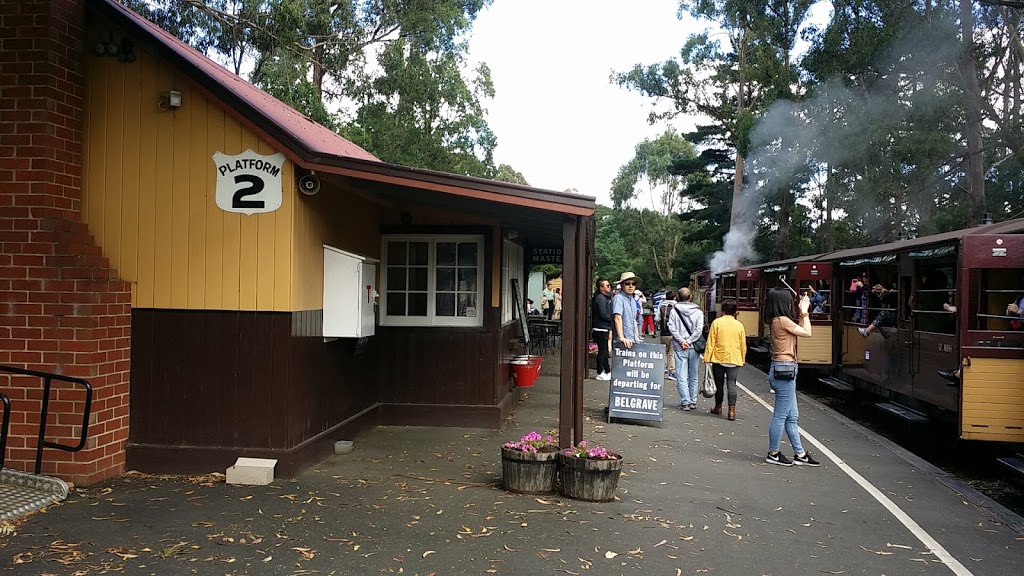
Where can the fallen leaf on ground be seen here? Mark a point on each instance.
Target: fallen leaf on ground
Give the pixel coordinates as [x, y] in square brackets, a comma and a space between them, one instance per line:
[428, 553]
[609, 554]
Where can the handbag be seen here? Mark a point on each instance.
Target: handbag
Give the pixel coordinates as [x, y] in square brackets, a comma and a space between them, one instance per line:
[543, 303]
[708, 389]
[700, 343]
[785, 372]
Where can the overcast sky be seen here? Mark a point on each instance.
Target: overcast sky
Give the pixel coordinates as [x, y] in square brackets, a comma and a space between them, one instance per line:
[558, 119]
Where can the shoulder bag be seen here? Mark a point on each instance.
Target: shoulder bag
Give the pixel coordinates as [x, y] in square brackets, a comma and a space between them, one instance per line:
[707, 386]
[700, 343]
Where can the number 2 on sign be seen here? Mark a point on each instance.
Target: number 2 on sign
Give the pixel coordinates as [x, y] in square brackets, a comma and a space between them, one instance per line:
[255, 187]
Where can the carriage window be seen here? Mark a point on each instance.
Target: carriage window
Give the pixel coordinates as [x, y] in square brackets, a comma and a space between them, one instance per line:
[1000, 298]
[748, 293]
[728, 288]
[871, 295]
[933, 304]
[820, 294]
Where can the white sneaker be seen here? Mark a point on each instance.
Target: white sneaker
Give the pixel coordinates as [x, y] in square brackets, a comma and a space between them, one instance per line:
[605, 376]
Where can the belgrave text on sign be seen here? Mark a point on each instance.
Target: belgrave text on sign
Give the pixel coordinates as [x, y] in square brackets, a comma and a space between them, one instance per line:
[637, 387]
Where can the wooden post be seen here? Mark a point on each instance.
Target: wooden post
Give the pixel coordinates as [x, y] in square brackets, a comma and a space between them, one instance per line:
[570, 312]
[585, 229]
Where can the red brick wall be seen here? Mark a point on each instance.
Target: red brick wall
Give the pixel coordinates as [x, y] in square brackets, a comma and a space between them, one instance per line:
[62, 309]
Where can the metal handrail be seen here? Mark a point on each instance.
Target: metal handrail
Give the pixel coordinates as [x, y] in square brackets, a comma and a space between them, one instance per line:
[4, 425]
[47, 380]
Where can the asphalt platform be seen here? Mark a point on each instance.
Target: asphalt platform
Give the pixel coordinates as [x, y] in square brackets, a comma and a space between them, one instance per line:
[696, 498]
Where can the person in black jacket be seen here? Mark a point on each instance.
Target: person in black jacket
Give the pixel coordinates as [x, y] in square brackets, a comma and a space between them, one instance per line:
[601, 320]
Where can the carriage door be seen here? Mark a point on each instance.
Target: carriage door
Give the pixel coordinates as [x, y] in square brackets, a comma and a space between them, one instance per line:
[933, 324]
[907, 359]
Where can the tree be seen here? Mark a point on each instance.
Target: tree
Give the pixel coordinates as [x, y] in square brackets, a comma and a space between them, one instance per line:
[656, 232]
[397, 65]
[506, 173]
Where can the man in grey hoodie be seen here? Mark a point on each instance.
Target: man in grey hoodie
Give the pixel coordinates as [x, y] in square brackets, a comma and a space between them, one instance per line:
[686, 324]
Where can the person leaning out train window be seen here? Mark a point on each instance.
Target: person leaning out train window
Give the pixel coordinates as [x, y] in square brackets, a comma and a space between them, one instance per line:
[1016, 308]
[885, 318]
[819, 297]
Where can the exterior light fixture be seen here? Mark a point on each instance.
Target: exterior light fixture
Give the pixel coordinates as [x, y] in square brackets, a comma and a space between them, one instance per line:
[170, 100]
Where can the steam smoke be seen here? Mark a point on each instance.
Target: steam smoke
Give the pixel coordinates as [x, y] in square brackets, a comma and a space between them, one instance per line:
[837, 124]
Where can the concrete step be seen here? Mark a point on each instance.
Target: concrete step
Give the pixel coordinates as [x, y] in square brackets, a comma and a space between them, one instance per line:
[22, 493]
[836, 384]
[902, 412]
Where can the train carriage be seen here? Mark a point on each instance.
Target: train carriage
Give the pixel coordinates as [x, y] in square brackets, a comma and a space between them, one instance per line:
[909, 314]
[743, 286]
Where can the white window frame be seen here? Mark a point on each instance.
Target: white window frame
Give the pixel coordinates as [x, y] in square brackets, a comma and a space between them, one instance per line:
[511, 269]
[431, 319]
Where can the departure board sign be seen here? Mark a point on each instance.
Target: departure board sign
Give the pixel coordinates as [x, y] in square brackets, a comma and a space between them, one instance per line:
[637, 389]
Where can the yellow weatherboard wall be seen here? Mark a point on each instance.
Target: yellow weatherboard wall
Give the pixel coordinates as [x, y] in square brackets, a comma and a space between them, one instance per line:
[818, 348]
[992, 400]
[148, 194]
[749, 319]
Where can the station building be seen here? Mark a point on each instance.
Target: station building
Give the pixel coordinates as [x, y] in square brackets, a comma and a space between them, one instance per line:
[234, 279]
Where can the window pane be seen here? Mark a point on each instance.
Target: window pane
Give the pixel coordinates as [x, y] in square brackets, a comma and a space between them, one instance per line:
[445, 305]
[446, 280]
[418, 304]
[467, 279]
[396, 304]
[467, 254]
[446, 253]
[418, 279]
[418, 253]
[396, 278]
[397, 252]
[467, 305]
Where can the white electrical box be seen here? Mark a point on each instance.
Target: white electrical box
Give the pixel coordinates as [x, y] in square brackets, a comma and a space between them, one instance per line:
[350, 293]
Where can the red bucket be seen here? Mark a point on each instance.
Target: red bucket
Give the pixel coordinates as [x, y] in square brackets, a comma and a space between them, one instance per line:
[525, 370]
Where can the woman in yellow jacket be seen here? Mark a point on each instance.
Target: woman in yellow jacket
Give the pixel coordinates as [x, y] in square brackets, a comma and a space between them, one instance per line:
[726, 350]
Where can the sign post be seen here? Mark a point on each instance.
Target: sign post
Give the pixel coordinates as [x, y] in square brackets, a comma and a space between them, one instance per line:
[637, 387]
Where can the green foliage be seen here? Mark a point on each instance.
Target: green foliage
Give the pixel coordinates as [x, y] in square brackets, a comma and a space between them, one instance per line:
[506, 173]
[399, 64]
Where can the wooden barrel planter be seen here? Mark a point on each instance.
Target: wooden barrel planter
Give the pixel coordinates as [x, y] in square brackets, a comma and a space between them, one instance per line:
[589, 480]
[529, 472]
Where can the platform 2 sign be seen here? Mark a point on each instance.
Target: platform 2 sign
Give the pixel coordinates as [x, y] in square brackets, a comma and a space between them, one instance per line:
[249, 183]
[637, 388]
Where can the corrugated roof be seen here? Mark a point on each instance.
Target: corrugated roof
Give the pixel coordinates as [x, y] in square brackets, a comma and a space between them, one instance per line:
[1009, 226]
[304, 133]
[313, 146]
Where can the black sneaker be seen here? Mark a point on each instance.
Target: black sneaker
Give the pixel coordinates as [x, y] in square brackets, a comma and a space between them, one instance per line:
[778, 458]
[805, 460]
[950, 376]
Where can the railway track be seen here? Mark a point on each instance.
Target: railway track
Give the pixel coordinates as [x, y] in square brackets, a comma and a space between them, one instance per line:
[972, 462]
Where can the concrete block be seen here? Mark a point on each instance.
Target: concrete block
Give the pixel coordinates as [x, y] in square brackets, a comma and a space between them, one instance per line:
[252, 472]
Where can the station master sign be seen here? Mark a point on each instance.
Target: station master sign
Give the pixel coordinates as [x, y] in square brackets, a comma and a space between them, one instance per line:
[249, 183]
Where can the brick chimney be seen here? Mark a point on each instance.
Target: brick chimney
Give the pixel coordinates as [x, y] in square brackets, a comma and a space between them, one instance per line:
[62, 308]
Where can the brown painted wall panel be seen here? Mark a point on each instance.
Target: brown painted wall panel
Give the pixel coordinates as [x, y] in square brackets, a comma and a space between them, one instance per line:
[242, 379]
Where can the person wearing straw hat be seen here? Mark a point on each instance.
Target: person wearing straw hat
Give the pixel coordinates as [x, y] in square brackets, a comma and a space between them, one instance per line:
[624, 325]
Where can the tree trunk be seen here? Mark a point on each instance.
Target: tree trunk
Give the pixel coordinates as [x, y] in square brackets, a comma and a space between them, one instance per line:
[737, 185]
[972, 128]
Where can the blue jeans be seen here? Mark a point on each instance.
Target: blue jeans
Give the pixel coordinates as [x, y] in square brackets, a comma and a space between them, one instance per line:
[785, 414]
[687, 362]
